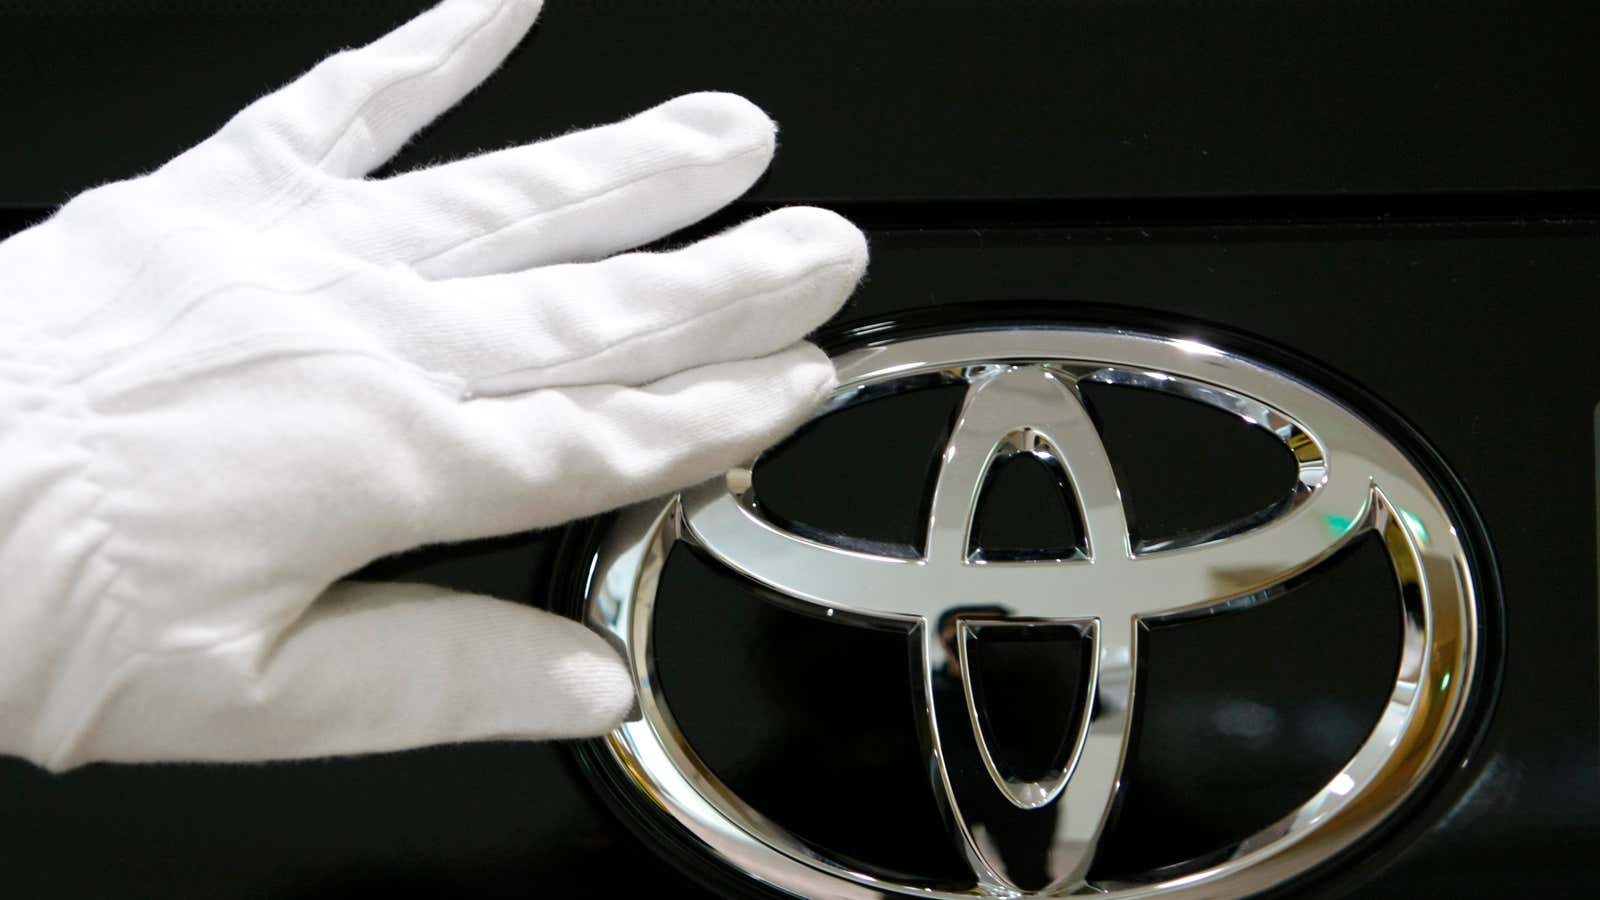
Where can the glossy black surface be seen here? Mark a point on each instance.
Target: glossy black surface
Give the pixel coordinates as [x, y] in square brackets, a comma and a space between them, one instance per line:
[911, 99]
[889, 514]
[1186, 470]
[1026, 511]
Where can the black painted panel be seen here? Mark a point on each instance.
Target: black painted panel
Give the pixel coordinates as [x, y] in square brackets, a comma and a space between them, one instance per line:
[1186, 470]
[863, 476]
[886, 99]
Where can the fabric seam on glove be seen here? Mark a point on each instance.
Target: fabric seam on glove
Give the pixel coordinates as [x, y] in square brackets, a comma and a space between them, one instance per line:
[581, 202]
[380, 91]
[666, 330]
[262, 347]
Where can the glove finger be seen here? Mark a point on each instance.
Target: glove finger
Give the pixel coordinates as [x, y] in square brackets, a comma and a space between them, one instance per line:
[369, 667]
[632, 319]
[558, 454]
[584, 195]
[353, 110]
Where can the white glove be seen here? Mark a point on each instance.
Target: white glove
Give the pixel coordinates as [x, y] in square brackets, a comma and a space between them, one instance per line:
[225, 384]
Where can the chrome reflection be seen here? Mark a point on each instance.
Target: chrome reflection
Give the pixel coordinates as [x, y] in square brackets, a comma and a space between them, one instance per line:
[1022, 396]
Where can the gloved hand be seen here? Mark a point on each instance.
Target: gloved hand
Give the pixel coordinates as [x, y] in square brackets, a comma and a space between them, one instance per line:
[227, 383]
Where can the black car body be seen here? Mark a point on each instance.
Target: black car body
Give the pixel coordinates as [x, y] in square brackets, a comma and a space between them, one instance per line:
[1402, 194]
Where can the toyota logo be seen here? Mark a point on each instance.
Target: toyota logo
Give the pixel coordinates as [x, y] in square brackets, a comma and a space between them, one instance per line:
[1022, 397]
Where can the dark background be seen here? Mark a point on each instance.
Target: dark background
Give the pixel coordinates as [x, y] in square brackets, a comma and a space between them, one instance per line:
[1406, 191]
[889, 99]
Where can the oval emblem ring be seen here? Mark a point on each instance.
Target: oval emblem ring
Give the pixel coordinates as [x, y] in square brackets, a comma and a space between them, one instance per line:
[1021, 394]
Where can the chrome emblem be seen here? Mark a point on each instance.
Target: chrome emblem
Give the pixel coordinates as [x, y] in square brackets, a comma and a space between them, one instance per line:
[1022, 397]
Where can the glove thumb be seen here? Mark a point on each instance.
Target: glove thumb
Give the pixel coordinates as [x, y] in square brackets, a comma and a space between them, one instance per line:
[369, 667]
